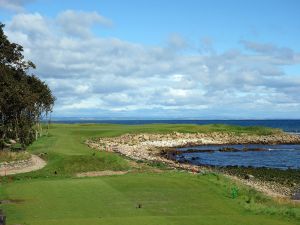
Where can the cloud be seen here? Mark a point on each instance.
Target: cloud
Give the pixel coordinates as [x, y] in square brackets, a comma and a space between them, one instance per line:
[176, 41]
[78, 23]
[269, 49]
[14, 5]
[33, 25]
[96, 76]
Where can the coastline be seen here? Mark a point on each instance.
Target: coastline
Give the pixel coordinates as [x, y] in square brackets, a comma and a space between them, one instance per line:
[153, 147]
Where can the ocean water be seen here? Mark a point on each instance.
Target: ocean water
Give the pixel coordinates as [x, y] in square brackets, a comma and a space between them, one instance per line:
[286, 125]
[269, 156]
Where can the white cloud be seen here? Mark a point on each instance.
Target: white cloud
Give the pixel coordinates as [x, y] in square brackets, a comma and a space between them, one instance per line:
[91, 75]
[79, 23]
[270, 49]
[33, 25]
[14, 5]
[176, 41]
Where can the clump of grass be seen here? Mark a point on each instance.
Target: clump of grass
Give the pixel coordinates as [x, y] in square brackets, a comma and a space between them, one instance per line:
[158, 165]
[9, 156]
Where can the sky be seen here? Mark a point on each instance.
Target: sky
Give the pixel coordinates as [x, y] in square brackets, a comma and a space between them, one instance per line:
[163, 59]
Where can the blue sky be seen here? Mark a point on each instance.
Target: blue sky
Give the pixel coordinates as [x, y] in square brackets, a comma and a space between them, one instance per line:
[163, 59]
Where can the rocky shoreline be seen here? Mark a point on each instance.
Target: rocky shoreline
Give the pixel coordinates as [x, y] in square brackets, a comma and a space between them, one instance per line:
[149, 147]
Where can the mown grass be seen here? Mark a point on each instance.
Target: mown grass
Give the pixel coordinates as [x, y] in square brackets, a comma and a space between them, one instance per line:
[166, 198]
[53, 196]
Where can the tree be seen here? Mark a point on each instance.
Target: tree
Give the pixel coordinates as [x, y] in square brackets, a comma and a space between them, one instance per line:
[24, 98]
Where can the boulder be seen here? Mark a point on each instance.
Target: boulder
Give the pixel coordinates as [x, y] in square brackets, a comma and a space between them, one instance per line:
[296, 195]
[11, 141]
[228, 149]
[249, 177]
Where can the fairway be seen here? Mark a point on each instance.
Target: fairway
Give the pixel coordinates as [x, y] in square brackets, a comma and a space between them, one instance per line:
[139, 197]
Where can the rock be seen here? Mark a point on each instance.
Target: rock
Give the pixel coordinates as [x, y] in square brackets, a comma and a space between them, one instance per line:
[146, 137]
[296, 196]
[43, 154]
[11, 141]
[228, 149]
[249, 177]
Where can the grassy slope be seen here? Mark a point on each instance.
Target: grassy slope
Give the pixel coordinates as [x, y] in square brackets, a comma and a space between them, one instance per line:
[166, 198]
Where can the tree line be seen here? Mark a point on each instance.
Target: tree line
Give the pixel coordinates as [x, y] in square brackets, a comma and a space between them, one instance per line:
[24, 98]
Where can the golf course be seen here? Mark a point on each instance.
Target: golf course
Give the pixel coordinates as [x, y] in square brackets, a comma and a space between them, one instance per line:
[147, 193]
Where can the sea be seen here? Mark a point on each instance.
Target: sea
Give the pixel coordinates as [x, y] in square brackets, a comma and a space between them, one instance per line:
[273, 156]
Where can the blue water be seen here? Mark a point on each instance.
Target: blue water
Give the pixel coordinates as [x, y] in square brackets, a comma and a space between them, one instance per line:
[286, 125]
[273, 156]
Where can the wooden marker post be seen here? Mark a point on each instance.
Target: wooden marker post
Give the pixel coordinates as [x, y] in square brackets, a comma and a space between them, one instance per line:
[2, 218]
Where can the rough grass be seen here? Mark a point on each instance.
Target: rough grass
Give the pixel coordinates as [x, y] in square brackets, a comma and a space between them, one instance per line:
[142, 197]
[8, 156]
[289, 177]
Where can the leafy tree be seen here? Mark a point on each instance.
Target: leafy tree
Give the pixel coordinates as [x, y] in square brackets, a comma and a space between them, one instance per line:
[24, 98]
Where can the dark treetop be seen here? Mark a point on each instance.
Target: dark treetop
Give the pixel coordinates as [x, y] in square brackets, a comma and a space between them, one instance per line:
[24, 98]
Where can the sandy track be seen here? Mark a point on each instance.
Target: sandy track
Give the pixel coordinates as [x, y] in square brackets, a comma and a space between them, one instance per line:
[35, 163]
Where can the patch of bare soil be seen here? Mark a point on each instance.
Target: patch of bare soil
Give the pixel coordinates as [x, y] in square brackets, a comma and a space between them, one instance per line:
[11, 201]
[101, 173]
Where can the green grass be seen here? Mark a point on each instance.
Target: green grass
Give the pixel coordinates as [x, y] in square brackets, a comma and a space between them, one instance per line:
[170, 197]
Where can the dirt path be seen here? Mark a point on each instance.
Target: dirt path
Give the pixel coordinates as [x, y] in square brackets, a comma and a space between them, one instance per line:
[35, 163]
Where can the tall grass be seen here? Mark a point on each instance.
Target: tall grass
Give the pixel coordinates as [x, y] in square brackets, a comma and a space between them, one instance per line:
[8, 156]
